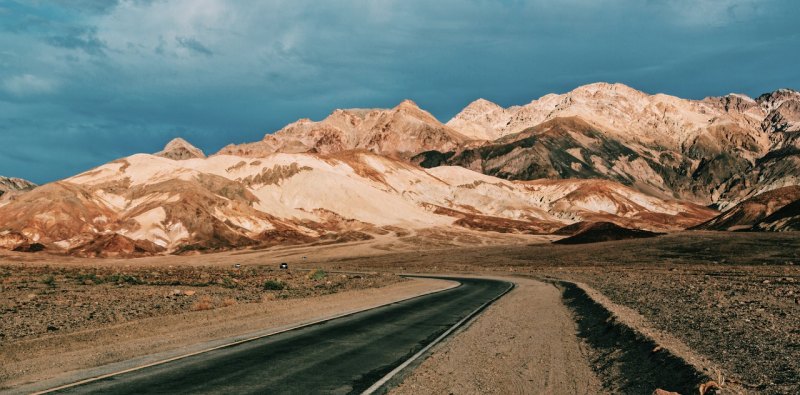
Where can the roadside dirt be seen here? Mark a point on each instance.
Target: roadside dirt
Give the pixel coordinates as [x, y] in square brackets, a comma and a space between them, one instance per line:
[730, 297]
[746, 319]
[55, 359]
[43, 300]
[526, 342]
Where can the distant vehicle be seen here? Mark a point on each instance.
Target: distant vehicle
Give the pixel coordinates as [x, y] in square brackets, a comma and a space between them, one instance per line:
[284, 265]
[238, 265]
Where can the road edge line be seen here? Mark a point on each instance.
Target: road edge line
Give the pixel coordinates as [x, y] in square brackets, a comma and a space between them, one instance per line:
[235, 343]
[378, 385]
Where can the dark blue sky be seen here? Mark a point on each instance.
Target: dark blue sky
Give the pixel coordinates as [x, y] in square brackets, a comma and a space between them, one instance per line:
[85, 82]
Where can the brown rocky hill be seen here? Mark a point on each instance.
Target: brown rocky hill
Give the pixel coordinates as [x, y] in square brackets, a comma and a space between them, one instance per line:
[716, 151]
[402, 131]
[783, 220]
[749, 213]
[147, 204]
[596, 232]
[180, 149]
[11, 187]
[11, 184]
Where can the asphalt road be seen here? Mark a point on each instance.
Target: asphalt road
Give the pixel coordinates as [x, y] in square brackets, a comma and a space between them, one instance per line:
[342, 356]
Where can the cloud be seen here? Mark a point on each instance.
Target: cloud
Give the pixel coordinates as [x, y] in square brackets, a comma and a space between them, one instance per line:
[83, 38]
[193, 45]
[28, 85]
[125, 76]
[714, 13]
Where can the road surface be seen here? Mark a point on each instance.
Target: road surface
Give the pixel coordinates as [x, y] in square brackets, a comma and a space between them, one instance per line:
[342, 356]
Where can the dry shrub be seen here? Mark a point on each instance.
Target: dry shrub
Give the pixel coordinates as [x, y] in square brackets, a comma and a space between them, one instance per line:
[204, 303]
[228, 302]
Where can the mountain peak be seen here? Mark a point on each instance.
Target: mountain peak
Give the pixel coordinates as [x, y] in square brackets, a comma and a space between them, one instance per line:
[180, 149]
[11, 185]
[407, 104]
[16, 184]
[476, 109]
[482, 105]
[607, 87]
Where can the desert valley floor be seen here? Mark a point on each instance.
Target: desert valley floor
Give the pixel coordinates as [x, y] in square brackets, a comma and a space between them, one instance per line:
[726, 302]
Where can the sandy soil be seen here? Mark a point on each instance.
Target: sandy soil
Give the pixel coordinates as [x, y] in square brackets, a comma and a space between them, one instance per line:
[306, 255]
[526, 342]
[33, 359]
[39, 300]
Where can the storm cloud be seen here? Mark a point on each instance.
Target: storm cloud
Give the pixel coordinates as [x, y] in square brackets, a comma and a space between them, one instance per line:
[85, 82]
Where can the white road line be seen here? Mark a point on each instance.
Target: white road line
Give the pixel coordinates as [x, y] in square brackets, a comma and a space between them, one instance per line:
[105, 376]
[380, 383]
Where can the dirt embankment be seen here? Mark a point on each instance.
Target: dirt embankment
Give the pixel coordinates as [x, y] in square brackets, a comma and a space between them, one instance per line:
[743, 319]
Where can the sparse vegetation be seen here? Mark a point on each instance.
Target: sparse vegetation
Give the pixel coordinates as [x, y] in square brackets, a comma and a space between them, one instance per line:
[228, 282]
[50, 281]
[274, 285]
[88, 279]
[228, 302]
[317, 274]
[124, 279]
[203, 303]
[88, 297]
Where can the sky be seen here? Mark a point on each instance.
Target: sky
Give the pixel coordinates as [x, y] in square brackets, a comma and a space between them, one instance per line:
[83, 82]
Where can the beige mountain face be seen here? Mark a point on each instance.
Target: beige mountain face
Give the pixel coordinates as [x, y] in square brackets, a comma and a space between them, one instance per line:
[146, 204]
[400, 132]
[718, 150]
[601, 153]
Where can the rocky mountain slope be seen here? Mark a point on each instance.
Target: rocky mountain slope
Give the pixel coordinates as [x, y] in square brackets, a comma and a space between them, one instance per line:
[11, 184]
[763, 212]
[601, 153]
[718, 151]
[180, 149]
[402, 131]
[596, 232]
[10, 187]
[784, 220]
[147, 204]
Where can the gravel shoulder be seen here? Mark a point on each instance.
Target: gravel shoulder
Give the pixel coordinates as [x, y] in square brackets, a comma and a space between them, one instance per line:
[525, 342]
[743, 319]
[57, 359]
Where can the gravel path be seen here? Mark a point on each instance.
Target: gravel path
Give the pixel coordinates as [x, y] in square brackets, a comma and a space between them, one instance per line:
[524, 343]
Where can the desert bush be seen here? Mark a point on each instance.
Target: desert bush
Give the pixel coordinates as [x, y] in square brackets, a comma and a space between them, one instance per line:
[124, 278]
[274, 285]
[204, 303]
[228, 302]
[317, 274]
[228, 282]
[91, 277]
[50, 281]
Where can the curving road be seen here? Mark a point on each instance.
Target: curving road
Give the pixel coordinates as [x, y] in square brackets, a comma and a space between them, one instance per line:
[341, 356]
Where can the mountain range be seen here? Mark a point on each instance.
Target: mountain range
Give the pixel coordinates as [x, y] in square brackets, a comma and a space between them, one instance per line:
[600, 153]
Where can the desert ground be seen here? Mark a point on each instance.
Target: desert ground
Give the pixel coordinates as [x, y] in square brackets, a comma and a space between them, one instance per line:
[727, 302]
